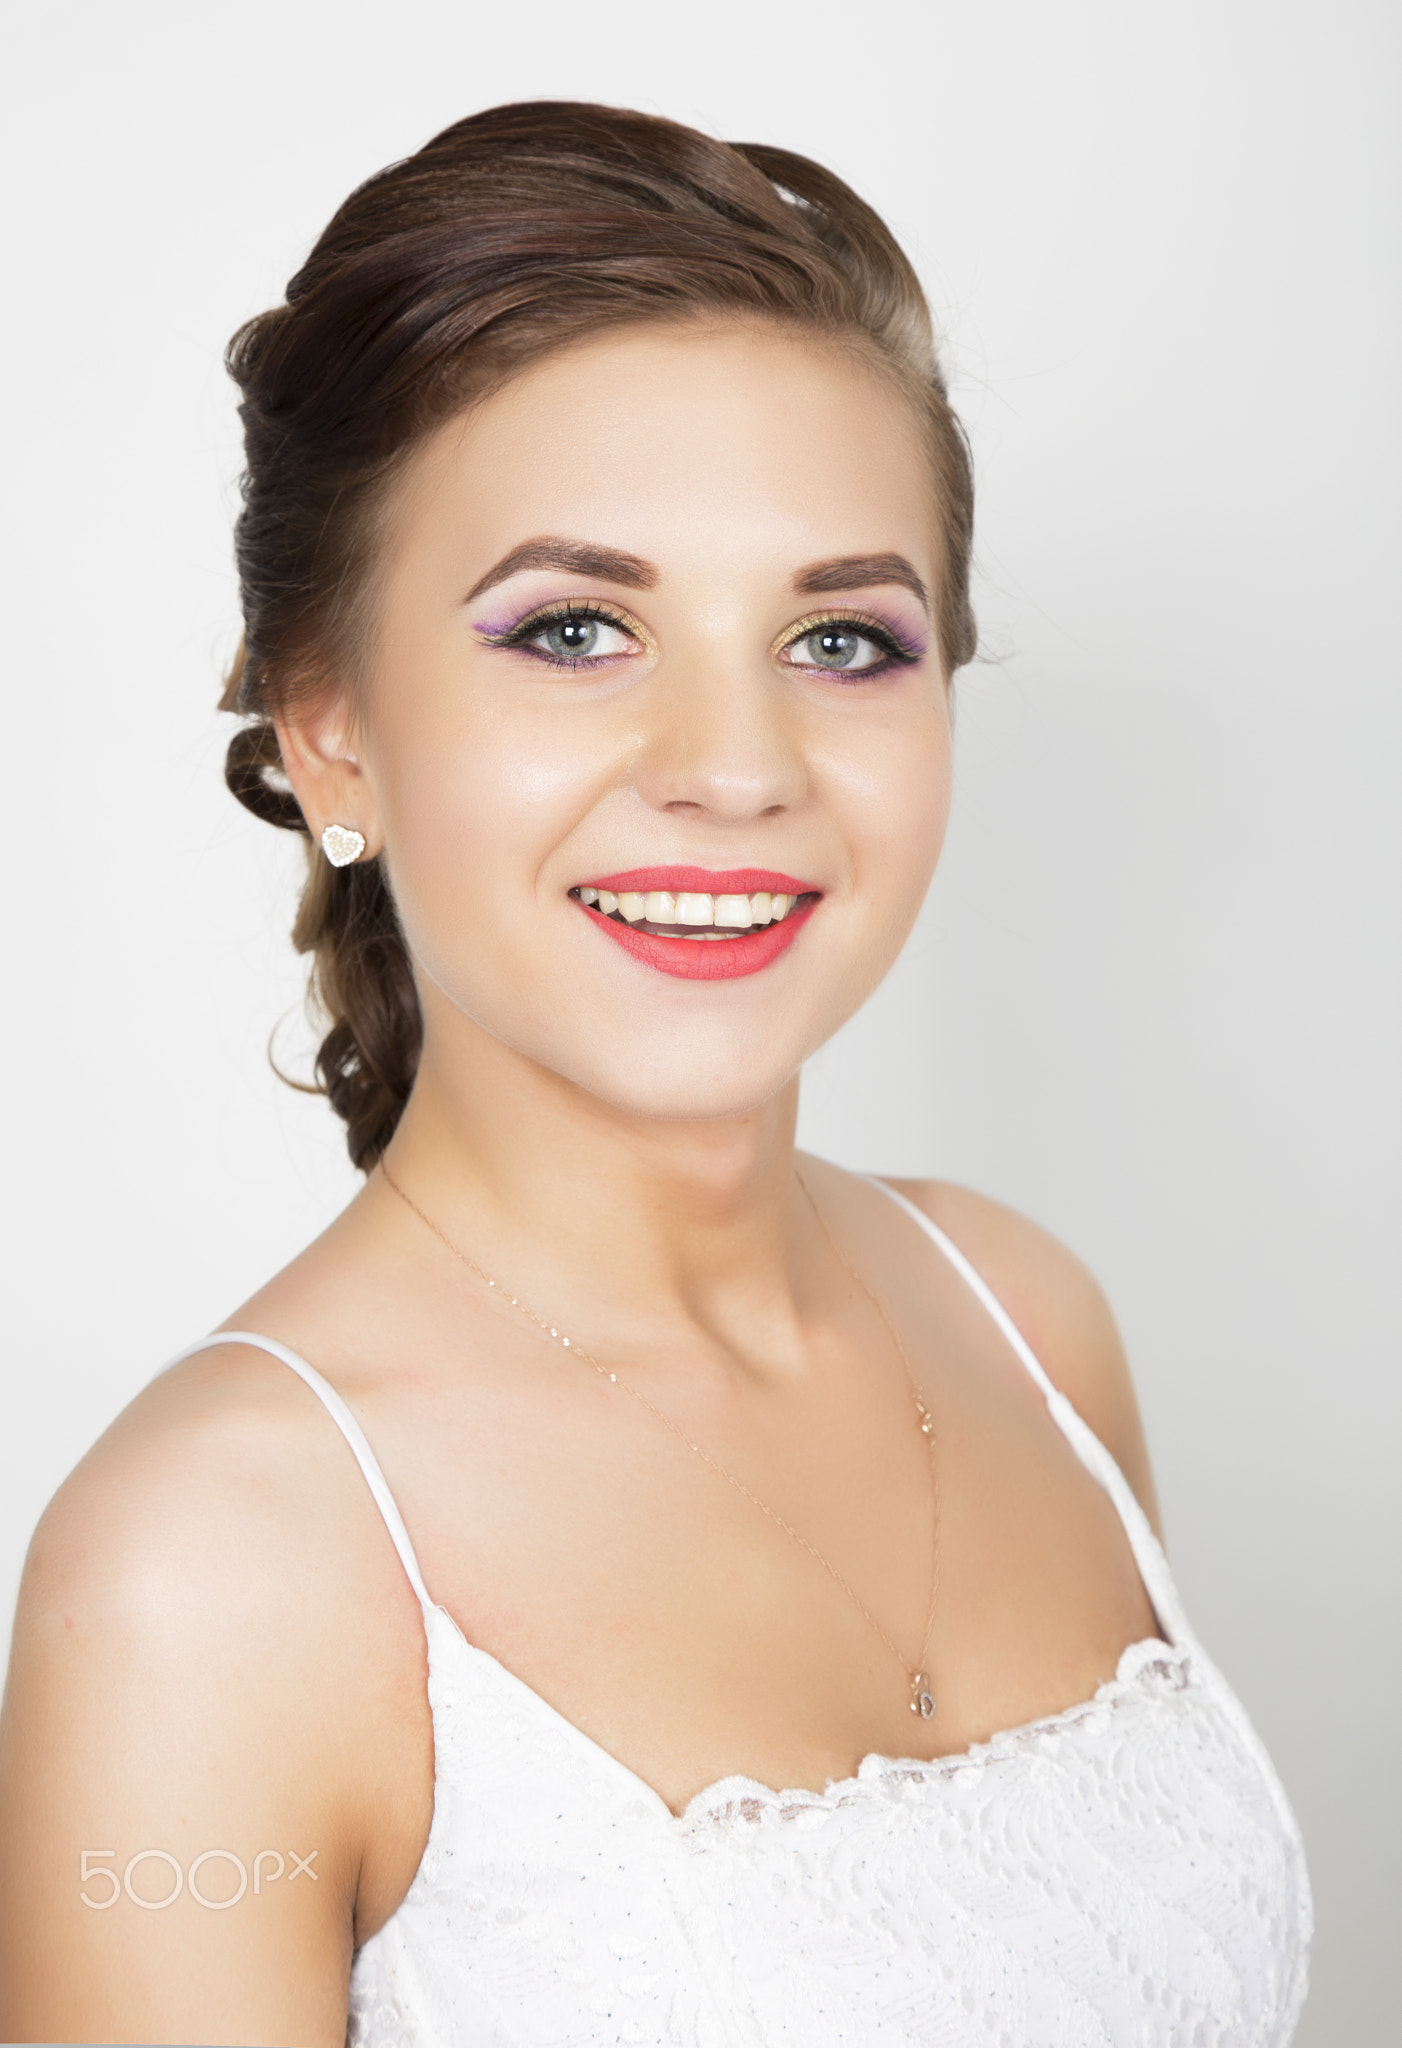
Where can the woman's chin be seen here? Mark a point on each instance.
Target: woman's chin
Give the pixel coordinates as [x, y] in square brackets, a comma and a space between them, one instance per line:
[650, 1060]
[674, 1092]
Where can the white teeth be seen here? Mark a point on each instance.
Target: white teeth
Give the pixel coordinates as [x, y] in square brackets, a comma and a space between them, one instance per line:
[712, 916]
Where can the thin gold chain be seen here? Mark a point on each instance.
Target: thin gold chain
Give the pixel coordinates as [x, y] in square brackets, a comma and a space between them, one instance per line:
[927, 1430]
[921, 1699]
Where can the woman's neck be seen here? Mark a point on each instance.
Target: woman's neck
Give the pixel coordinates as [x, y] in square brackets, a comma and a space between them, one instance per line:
[573, 1200]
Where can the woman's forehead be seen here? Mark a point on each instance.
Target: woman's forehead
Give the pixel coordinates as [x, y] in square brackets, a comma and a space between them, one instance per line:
[671, 444]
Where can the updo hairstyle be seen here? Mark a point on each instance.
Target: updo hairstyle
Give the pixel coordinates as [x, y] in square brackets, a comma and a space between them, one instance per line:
[512, 233]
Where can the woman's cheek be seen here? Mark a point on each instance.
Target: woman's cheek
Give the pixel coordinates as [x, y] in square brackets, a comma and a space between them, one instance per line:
[476, 821]
[893, 794]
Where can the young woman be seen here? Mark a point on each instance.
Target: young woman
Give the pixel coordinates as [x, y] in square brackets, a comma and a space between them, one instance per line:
[624, 1582]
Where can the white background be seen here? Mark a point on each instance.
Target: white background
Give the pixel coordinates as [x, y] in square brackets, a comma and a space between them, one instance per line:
[1154, 999]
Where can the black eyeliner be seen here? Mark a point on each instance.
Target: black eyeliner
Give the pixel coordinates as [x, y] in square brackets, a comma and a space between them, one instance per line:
[882, 636]
[554, 615]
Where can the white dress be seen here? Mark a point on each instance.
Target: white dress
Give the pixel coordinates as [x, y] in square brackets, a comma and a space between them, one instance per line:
[1127, 1872]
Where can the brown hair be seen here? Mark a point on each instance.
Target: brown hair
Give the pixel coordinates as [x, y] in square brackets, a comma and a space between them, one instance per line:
[512, 233]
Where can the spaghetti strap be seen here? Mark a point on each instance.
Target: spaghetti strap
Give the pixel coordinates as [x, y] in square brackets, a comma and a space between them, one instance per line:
[350, 1429]
[1148, 1552]
[975, 1281]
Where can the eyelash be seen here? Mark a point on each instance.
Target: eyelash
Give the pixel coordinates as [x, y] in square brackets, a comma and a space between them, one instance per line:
[897, 651]
[558, 615]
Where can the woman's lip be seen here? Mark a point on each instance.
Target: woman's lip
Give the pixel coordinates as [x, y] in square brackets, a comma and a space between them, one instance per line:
[707, 959]
[702, 881]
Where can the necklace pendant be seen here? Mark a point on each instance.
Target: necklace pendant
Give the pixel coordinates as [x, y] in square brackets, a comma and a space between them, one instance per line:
[922, 1701]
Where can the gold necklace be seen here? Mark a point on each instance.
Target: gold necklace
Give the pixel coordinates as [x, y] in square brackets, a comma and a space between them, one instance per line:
[922, 1700]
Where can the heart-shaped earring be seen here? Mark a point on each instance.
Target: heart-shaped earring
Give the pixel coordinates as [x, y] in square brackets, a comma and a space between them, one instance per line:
[342, 844]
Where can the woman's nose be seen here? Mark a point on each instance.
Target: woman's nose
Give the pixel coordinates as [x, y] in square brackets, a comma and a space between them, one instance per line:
[723, 737]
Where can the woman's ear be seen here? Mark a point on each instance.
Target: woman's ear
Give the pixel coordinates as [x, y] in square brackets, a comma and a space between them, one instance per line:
[318, 746]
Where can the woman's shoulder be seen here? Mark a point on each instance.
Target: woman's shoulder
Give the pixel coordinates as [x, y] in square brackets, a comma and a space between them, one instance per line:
[220, 1467]
[226, 1481]
[1059, 1308]
[215, 1646]
[221, 1521]
[217, 1532]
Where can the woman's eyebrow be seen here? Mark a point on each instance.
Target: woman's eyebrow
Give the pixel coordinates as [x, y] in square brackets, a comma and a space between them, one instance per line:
[851, 572]
[614, 565]
[575, 557]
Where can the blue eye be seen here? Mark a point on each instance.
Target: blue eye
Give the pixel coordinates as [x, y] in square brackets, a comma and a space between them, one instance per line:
[847, 644]
[579, 638]
[571, 636]
[836, 647]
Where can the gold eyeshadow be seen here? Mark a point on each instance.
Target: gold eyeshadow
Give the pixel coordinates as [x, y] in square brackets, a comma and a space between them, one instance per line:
[882, 633]
[892, 643]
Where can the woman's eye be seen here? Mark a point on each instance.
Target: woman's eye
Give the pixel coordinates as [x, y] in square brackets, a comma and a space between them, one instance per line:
[581, 640]
[836, 647]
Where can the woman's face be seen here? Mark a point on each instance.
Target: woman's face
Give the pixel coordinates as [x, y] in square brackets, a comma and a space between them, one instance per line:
[655, 657]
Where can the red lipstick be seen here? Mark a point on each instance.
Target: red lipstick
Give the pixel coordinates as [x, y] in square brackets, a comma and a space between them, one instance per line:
[706, 959]
[703, 960]
[705, 881]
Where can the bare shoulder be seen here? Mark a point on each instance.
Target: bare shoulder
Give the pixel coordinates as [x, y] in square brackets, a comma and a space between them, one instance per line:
[1059, 1307]
[186, 1677]
[182, 1520]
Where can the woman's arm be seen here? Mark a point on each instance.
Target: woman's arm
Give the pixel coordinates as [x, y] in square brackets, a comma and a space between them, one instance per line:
[189, 1675]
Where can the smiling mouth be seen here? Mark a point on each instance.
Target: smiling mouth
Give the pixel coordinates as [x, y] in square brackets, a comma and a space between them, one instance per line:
[694, 914]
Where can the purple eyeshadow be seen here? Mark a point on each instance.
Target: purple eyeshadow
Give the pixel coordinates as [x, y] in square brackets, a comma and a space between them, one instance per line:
[498, 631]
[916, 644]
[913, 644]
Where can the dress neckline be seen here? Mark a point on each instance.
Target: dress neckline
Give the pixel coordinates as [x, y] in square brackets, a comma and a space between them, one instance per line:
[875, 1766]
[1173, 1641]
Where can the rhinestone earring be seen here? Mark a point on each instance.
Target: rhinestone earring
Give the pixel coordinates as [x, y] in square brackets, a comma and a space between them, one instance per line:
[342, 844]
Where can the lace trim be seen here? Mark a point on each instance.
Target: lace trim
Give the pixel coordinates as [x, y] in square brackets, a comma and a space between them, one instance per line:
[1146, 1666]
